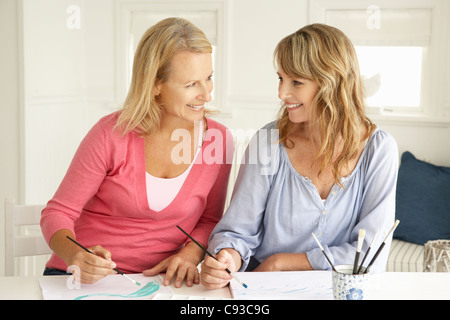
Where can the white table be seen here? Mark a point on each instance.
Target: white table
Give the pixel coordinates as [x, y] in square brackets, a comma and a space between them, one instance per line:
[410, 286]
[28, 288]
[385, 286]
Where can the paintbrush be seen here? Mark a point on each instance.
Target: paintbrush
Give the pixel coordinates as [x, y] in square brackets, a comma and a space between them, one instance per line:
[382, 245]
[367, 252]
[323, 251]
[115, 269]
[361, 235]
[209, 254]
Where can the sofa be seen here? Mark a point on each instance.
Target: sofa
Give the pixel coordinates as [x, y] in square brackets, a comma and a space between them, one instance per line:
[423, 208]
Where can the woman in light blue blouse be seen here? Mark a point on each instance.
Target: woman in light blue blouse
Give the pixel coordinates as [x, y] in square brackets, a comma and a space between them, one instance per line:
[323, 167]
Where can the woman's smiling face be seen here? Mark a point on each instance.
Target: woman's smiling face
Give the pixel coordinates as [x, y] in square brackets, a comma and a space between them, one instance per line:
[188, 86]
[297, 95]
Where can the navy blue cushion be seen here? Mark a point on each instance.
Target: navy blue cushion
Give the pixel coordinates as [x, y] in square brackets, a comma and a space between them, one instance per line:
[423, 201]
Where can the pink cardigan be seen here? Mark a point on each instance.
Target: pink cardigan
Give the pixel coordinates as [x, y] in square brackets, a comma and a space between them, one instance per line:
[103, 198]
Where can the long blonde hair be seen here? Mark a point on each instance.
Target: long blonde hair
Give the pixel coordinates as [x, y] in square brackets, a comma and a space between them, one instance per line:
[151, 64]
[325, 55]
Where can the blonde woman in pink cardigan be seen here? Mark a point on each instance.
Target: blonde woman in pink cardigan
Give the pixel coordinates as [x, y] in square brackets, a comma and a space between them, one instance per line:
[139, 172]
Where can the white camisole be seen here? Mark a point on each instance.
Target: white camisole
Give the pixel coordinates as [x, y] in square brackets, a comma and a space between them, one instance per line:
[161, 191]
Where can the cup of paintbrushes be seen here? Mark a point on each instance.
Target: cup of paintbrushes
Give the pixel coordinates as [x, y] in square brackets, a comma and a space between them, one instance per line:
[349, 286]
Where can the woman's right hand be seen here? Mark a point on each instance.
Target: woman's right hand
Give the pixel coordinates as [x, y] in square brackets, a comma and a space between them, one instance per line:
[92, 267]
[86, 267]
[213, 274]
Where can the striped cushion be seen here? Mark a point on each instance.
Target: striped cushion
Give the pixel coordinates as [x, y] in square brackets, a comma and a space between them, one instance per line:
[405, 257]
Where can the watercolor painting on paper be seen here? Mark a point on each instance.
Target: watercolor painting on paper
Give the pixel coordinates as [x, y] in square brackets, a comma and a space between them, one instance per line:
[114, 287]
[306, 285]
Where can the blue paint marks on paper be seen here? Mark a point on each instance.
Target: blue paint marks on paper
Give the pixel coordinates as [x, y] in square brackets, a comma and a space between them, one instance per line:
[145, 291]
[284, 285]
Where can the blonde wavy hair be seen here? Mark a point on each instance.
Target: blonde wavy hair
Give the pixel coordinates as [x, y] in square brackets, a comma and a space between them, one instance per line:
[326, 55]
[152, 63]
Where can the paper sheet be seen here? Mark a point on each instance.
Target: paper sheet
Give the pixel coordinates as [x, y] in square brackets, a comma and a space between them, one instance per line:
[305, 285]
[113, 287]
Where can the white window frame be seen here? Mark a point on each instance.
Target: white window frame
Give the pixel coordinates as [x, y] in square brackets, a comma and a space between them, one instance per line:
[125, 9]
[435, 82]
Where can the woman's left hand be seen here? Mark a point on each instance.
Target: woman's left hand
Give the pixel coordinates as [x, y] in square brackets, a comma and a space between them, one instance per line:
[182, 265]
[272, 263]
[285, 262]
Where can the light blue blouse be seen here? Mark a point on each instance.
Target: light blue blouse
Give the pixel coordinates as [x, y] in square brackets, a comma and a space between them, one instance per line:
[274, 209]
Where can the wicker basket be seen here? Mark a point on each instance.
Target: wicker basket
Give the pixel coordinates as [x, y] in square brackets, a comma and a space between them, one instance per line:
[437, 256]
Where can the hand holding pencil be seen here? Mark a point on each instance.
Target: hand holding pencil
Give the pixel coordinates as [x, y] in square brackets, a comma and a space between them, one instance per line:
[215, 261]
[93, 267]
[112, 265]
[213, 270]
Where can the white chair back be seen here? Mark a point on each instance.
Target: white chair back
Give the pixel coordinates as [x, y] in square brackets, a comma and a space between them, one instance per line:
[23, 233]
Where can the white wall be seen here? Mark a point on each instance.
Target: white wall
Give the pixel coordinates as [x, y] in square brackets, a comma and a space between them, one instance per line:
[69, 83]
[9, 106]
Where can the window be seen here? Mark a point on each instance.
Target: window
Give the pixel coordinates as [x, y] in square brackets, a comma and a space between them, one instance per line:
[399, 46]
[392, 76]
